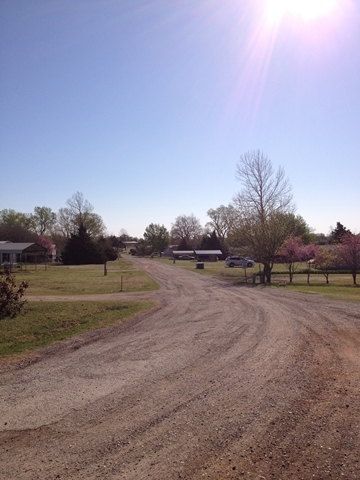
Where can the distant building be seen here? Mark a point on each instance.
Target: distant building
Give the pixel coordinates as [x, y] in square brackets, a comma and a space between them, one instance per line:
[130, 243]
[14, 253]
[169, 252]
[201, 255]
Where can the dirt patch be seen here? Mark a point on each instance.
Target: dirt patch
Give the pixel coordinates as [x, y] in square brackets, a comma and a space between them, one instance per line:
[220, 382]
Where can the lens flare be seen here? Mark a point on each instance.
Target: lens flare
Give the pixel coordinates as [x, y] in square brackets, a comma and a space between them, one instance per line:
[306, 9]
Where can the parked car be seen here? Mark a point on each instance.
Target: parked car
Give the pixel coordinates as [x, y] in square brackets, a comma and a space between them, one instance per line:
[186, 257]
[239, 262]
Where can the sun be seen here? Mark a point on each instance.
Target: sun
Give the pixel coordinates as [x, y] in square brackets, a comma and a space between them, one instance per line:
[306, 9]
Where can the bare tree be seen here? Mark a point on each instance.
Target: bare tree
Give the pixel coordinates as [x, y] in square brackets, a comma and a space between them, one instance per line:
[264, 191]
[123, 234]
[186, 227]
[64, 225]
[79, 212]
[265, 208]
[79, 207]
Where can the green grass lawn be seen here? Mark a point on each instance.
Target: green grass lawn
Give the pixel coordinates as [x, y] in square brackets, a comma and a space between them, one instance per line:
[210, 268]
[85, 279]
[46, 323]
[340, 286]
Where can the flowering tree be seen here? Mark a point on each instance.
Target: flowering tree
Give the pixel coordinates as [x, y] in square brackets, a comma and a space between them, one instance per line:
[47, 243]
[292, 254]
[349, 252]
[310, 254]
[325, 260]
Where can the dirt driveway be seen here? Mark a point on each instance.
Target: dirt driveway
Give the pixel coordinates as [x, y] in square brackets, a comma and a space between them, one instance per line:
[221, 382]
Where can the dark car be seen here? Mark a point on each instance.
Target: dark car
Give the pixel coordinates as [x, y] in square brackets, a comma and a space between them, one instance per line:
[186, 257]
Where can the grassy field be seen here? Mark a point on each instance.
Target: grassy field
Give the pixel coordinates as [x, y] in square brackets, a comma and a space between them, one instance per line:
[211, 268]
[340, 286]
[55, 279]
[45, 323]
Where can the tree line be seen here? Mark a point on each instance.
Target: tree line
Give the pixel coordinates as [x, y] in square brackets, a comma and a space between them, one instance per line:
[74, 229]
[261, 222]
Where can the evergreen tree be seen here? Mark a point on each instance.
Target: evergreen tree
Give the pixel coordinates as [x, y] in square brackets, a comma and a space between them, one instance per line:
[183, 245]
[106, 245]
[80, 249]
[212, 242]
[338, 233]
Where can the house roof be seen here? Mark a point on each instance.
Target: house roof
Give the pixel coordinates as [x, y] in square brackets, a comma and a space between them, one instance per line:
[208, 252]
[183, 252]
[21, 248]
[197, 252]
[130, 243]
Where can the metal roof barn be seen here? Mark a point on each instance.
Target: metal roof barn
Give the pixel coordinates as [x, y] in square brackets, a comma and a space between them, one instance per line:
[177, 253]
[208, 252]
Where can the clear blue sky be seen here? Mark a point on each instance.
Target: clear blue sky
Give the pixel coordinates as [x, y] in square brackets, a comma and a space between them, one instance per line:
[145, 106]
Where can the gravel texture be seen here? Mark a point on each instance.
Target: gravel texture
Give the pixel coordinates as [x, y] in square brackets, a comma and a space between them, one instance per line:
[220, 382]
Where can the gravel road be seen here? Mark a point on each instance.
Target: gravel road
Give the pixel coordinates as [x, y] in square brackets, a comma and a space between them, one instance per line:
[221, 382]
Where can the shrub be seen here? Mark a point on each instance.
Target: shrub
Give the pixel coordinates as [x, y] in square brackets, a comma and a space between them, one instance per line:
[11, 297]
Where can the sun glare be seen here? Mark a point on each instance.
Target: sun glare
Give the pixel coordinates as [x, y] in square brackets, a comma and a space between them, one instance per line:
[306, 9]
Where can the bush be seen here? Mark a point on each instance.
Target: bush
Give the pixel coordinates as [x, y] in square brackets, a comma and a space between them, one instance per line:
[11, 297]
